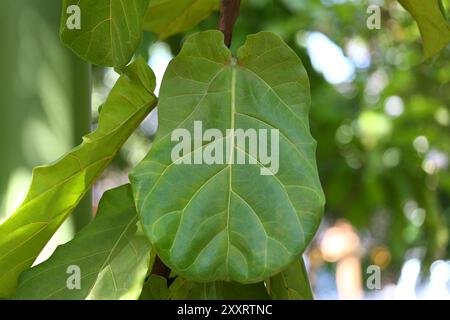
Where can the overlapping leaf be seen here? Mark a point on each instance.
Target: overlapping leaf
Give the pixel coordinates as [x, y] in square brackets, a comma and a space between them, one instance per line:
[183, 289]
[291, 284]
[169, 17]
[57, 189]
[112, 255]
[434, 28]
[155, 288]
[224, 221]
[110, 30]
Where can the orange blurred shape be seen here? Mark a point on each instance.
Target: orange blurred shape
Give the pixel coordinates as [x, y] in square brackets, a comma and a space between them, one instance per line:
[339, 241]
[381, 256]
[341, 244]
[348, 278]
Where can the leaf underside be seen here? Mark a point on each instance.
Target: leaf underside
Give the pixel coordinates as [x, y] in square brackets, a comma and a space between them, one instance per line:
[110, 30]
[57, 189]
[112, 254]
[183, 289]
[433, 25]
[155, 288]
[291, 284]
[223, 221]
[169, 17]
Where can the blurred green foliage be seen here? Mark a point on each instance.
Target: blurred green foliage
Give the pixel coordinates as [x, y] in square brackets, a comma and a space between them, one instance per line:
[44, 98]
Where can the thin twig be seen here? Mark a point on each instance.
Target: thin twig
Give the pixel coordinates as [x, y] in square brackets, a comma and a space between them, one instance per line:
[228, 15]
[160, 269]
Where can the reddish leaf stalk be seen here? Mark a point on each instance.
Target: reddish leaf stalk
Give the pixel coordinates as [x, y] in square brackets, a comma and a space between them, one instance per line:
[160, 269]
[229, 13]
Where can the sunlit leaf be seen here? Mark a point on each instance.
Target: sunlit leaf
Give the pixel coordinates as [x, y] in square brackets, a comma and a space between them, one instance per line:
[183, 289]
[434, 28]
[112, 256]
[169, 17]
[110, 30]
[225, 221]
[57, 189]
[291, 284]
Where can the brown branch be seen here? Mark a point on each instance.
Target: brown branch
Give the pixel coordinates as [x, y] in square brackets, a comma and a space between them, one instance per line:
[160, 269]
[229, 13]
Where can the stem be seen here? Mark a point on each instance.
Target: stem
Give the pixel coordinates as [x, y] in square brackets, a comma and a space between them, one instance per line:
[229, 13]
[160, 269]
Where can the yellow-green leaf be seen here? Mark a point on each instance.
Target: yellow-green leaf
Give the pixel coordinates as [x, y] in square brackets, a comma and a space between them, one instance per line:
[183, 289]
[109, 31]
[110, 256]
[291, 284]
[169, 17]
[434, 28]
[224, 220]
[57, 189]
[155, 288]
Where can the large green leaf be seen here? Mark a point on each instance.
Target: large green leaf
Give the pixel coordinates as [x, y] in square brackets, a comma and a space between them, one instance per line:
[112, 255]
[291, 284]
[56, 189]
[222, 221]
[110, 30]
[433, 25]
[183, 289]
[169, 17]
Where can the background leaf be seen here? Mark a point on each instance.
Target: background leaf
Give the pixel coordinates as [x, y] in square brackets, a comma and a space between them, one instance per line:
[169, 17]
[57, 189]
[110, 31]
[433, 25]
[229, 222]
[291, 284]
[155, 288]
[112, 254]
[183, 289]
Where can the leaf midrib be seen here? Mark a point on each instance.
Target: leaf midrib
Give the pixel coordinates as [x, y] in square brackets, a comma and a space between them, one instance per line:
[233, 114]
[230, 160]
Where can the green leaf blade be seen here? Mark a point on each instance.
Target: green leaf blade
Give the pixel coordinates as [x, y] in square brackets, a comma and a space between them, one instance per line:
[229, 222]
[291, 284]
[110, 30]
[433, 25]
[155, 288]
[57, 189]
[183, 289]
[112, 254]
[169, 17]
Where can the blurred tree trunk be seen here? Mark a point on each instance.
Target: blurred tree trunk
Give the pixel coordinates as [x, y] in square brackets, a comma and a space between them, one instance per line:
[45, 94]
